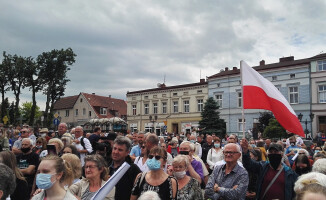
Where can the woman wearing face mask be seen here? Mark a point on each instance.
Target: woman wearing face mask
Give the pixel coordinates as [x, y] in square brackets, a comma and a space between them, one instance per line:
[40, 145]
[188, 187]
[302, 165]
[215, 154]
[51, 172]
[155, 179]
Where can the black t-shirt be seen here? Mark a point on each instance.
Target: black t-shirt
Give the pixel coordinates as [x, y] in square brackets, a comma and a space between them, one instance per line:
[24, 161]
[21, 192]
[94, 139]
[205, 148]
[124, 186]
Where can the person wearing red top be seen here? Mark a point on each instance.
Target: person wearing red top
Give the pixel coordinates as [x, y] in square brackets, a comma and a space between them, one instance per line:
[173, 149]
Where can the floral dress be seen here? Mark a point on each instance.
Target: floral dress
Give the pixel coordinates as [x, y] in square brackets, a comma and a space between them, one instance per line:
[190, 191]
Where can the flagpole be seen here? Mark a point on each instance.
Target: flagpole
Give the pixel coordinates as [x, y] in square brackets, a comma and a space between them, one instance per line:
[242, 111]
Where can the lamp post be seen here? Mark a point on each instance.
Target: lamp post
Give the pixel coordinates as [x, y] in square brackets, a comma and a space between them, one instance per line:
[153, 119]
[311, 116]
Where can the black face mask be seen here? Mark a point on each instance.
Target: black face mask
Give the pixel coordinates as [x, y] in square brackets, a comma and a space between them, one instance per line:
[274, 160]
[301, 171]
[184, 152]
[25, 150]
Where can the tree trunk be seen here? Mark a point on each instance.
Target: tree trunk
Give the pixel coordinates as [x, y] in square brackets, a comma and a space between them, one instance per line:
[32, 116]
[47, 107]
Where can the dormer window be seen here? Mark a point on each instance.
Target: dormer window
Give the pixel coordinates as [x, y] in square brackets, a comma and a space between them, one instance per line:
[103, 111]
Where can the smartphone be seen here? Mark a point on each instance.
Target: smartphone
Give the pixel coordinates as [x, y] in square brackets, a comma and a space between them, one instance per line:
[51, 149]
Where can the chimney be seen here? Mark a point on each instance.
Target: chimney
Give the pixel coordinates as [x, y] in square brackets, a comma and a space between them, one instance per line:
[162, 85]
[234, 68]
[286, 59]
[202, 80]
[109, 95]
[93, 93]
[226, 69]
[262, 62]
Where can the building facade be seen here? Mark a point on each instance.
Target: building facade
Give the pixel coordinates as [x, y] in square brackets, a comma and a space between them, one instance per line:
[291, 77]
[318, 91]
[167, 109]
[79, 109]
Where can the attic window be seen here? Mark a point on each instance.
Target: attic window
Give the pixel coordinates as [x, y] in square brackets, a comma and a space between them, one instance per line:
[199, 91]
[81, 100]
[146, 97]
[292, 75]
[218, 85]
[102, 111]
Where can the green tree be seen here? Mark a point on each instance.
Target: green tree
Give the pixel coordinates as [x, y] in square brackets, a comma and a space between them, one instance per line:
[54, 66]
[26, 111]
[274, 130]
[264, 118]
[3, 85]
[211, 122]
[33, 81]
[4, 108]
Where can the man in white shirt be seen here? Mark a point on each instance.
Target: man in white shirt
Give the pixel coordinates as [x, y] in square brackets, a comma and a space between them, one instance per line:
[299, 141]
[84, 146]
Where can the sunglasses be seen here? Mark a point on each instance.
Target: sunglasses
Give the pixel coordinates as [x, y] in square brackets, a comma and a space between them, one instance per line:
[143, 147]
[23, 132]
[156, 157]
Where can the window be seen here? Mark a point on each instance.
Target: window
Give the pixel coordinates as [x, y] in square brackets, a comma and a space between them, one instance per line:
[102, 111]
[134, 109]
[84, 111]
[146, 97]
[76, 112]
[274, 78]
[59, 113]
[240, 124]
[218, 85]
[134, 98]
[199, 91]
[155, 108]
[239, 99]
[185, 93]
[81, 100]
[175, 94]
[90, 113]
[321, 65]
[163, 95]
[146, 109]
[200, 105]
[294, 95]
[175, 107]
[164, 107]
[219, 100]
[292, 75]
[154, 96]
[67, 113]
[322, 93]
[186, 106]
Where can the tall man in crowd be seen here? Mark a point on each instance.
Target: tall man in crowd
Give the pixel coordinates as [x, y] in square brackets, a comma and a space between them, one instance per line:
[228, 181]
[18, 143]
[82, 144]
[62, 129]
[275, 179]
[27, 162]
[120, 154]
[136, 150]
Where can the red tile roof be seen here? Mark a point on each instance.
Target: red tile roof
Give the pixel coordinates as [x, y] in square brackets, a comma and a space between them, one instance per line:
[112, 104]
[65, 102]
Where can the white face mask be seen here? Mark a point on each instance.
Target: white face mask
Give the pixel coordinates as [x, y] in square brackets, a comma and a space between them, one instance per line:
[43, 135]
[179, 175]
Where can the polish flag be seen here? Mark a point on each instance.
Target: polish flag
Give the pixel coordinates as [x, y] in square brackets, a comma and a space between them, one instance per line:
[259, 93]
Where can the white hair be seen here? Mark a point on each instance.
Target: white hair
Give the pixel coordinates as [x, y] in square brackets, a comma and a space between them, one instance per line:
[306, 179]
[149, 195]
[29, 139]
[191, 145]
[237, 146]
[305, 152]
[319, 166]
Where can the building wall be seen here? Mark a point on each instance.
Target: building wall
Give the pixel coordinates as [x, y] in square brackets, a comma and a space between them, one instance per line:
[230, 86]
[318, 78]
[141, 121]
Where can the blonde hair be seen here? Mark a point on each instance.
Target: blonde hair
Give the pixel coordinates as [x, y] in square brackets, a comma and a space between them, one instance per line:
[58, 141]
[61, 166]
[74, 164]
[181, 158]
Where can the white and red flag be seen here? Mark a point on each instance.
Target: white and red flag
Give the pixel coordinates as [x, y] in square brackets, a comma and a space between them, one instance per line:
[259, 93]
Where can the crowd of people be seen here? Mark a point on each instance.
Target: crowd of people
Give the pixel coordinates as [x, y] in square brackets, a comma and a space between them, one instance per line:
[39, 164]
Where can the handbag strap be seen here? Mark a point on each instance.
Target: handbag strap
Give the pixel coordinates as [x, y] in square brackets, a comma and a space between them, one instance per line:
[274, 179]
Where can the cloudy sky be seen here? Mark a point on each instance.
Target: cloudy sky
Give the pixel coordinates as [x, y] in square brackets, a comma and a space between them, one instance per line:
[131, 45]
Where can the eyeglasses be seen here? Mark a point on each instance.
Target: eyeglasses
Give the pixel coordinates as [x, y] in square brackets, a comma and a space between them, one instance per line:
[90, 166]
[156, 157]
[230, 152]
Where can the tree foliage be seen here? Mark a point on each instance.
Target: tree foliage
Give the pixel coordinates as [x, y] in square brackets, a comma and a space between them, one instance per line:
[211, 122]
[274, 130]
[264, 120]
[26, 111]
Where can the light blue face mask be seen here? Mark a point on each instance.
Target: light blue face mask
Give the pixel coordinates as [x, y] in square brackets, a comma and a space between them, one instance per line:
[217, 145]
[43, 181]
[253, 146]
[316, 151]
[153, 164]
[193, 141]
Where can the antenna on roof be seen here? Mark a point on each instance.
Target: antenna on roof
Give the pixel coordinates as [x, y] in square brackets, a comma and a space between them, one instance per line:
[164, 79]
[199, 74]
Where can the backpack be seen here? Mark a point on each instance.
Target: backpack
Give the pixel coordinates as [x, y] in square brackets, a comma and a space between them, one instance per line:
[83, 144]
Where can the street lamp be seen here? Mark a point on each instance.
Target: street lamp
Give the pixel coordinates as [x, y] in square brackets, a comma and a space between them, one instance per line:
[153, 119]
[311, 116]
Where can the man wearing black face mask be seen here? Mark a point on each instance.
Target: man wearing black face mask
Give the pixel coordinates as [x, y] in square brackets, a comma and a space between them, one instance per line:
[275, 179]
[27, 162]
